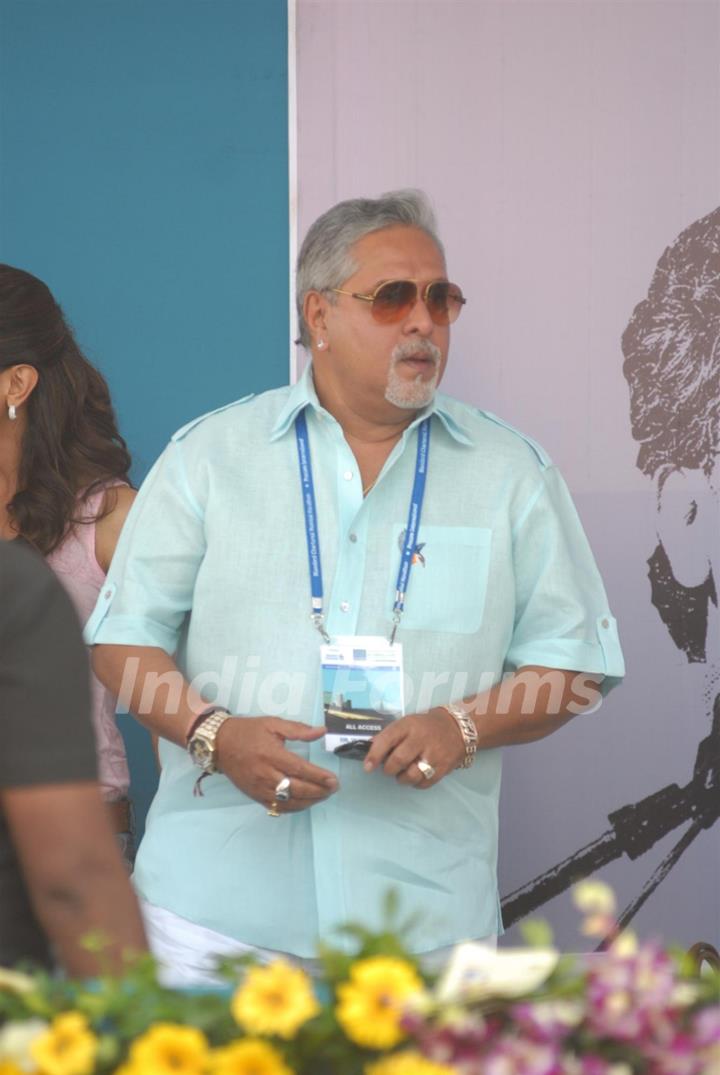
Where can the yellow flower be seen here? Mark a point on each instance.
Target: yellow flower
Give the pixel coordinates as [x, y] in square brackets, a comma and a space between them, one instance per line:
[276, 999]
[67, 1048]
[248, 1057]
[371, 1003]
[408, 1063]
[169, 1049]
[7, 1067]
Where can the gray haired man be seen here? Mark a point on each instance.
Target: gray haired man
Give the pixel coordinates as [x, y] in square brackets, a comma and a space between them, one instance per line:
[356, 527]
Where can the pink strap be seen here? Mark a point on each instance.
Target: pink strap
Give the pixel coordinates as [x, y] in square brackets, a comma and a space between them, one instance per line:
[85, 531]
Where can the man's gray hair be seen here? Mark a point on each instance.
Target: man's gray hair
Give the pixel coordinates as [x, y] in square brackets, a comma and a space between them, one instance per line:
[325, 260]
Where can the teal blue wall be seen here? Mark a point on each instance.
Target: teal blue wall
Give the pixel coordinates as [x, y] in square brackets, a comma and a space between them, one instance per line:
[143, 176]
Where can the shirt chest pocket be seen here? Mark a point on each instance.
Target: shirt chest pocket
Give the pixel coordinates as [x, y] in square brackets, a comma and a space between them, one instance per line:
[448, 580]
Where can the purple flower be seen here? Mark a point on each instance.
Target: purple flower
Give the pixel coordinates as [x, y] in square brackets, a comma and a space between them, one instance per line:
[630, 998]
[519, 1056]
[548, 1020]
[706, 1026]
[679, 1056]
[461, 1042]
[594, 1065]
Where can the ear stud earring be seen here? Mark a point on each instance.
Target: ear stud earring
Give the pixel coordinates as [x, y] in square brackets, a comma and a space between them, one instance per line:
[320, 344]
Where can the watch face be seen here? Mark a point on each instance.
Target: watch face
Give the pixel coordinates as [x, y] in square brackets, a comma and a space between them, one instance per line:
[200, 752]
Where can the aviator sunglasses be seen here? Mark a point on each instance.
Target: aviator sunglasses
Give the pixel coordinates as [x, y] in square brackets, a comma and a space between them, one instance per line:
[394, 299]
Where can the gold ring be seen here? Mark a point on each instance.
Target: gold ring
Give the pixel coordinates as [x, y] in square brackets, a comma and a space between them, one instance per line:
[273, 811]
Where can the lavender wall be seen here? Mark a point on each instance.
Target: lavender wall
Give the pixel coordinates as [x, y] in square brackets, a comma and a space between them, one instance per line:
[564, 145]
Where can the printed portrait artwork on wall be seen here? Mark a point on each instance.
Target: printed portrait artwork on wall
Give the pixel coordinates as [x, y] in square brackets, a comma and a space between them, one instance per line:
[671, 349]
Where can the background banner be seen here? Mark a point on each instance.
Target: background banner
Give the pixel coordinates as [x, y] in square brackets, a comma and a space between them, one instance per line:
[143, 176]
[572, 151]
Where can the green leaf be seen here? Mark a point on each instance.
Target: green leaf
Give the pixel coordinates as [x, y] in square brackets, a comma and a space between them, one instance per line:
[537, 933]
[390, 907]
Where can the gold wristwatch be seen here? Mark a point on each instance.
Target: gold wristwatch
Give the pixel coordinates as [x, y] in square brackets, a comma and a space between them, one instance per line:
[201, 740]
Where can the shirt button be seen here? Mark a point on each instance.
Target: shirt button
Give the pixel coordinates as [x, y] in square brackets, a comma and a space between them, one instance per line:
[353, 538]
[605, 624]
[348, 475]
[344, 606]
[108, 595]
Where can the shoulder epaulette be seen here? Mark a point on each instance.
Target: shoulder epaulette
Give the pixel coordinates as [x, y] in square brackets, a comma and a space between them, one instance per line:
[543, 457]
[184, 430]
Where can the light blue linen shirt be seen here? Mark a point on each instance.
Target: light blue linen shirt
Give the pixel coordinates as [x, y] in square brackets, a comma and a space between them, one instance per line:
[212, 565]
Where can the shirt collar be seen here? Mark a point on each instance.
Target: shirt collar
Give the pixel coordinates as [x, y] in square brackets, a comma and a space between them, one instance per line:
[303, 394]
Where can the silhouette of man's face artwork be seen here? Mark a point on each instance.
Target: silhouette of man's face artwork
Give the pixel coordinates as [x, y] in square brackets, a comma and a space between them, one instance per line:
[671, 347]
[672, 364]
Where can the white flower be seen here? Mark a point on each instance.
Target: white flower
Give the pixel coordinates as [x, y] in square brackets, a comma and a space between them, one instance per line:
[16, 1039]
[684, 994]
[12, 981]
[594, 897]
[625, 945]
[567, 1013]
[476, 971]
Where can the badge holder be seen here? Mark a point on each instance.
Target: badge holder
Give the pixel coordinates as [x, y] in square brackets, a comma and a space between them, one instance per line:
[362, 684]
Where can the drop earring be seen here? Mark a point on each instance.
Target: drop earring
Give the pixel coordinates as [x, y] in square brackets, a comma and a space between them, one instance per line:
[12, 412]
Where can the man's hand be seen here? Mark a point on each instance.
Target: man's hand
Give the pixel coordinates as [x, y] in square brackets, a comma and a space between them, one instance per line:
[251, 752]
[433, 737]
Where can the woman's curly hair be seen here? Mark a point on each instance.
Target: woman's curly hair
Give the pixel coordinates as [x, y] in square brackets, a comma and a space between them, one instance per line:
[71, 446]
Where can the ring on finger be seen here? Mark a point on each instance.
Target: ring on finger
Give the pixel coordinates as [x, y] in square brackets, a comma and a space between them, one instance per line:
[425, 768]
[273, 811]
[282, 790]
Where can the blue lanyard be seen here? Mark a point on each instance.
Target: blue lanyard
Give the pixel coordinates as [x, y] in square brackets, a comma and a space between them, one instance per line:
[409, 547]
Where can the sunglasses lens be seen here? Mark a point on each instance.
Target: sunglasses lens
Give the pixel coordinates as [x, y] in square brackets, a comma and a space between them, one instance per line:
[444, 301]
[393, 300]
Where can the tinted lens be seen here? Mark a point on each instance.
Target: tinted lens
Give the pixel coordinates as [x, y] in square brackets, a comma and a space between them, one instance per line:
[444, 301]
[393, 300]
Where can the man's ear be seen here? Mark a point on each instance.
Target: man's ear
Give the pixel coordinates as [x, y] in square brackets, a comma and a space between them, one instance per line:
[687, 523]
[314, 311]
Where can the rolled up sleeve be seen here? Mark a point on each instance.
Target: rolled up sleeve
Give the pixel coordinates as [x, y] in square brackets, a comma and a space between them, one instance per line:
[562, 615]
[148, 591]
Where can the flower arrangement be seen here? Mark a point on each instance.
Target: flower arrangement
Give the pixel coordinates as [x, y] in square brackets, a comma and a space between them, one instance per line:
[637, 1009]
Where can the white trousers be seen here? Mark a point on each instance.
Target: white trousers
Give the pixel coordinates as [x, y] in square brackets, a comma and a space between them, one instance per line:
[187, 953]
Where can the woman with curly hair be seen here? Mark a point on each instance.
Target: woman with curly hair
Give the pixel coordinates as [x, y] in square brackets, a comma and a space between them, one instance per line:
[64, 485]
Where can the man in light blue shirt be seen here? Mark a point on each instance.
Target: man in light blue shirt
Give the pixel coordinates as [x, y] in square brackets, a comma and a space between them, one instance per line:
[211, 598]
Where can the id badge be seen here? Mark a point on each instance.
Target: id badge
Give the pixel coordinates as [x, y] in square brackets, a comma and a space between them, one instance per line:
[362, 683]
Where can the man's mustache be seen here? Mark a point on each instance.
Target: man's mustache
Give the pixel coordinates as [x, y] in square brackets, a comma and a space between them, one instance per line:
[416, 349]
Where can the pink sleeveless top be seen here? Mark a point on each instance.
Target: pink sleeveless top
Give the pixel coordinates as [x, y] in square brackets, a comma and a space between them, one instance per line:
[75, 565]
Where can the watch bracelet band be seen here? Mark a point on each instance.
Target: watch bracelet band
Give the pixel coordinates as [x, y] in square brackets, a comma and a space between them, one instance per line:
[213, 724]
[201, 717]
[215, 721]
[467, 730]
